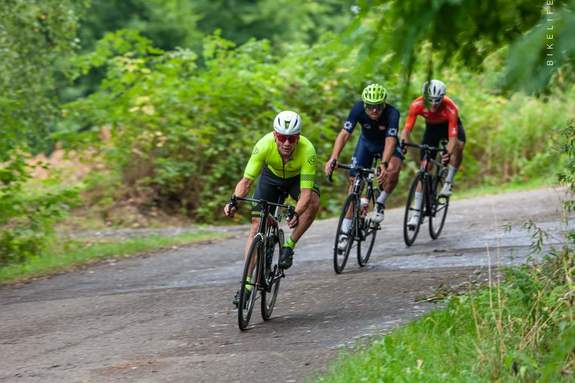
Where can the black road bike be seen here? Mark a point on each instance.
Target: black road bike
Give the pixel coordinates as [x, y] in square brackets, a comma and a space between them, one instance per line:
[430, 180]
[262, 274]
[363, 230]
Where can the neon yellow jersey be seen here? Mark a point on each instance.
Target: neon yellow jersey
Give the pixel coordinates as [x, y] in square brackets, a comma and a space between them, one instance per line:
[302, 161]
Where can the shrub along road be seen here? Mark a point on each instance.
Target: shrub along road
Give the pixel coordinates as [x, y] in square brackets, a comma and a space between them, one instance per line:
[169, 318]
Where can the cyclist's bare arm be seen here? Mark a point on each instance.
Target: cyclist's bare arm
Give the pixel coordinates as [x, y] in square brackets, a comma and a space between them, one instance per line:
[303, 201]
[242, 190]
[390, 143]
[338, 146]
[243, 187]
[409, 123]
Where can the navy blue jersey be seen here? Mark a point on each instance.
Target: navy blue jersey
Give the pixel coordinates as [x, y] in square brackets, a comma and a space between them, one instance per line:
[374, 132]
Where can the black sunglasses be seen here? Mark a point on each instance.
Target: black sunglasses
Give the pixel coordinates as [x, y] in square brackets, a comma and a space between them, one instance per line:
[374, 107]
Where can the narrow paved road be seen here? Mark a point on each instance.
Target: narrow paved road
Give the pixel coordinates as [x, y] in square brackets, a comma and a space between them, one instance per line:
[169, 318]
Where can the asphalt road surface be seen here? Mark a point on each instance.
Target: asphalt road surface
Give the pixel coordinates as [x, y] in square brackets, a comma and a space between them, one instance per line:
[169, 317]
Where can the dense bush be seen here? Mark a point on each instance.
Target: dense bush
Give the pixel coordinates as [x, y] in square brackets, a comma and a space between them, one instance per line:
[28, 216]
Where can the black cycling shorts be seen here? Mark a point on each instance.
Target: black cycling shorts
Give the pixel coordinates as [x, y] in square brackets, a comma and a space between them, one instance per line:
[363, 156]
[437, 132]
[275, 189]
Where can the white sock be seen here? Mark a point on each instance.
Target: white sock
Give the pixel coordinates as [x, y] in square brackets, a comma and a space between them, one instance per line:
[418, 202]
[382, 197]
[346, 225]
[451, 170]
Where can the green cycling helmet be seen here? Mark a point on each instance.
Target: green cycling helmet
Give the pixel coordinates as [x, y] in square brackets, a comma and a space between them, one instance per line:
[374, 94]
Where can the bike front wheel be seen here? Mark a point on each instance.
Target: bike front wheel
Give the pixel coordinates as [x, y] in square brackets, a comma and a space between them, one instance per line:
[410, 225]
[439, 208]
[272, 274]
[341, 252]
[250, 282]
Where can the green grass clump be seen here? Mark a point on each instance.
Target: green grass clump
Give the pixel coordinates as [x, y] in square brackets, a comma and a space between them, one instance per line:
[520, 329]
[64, 255]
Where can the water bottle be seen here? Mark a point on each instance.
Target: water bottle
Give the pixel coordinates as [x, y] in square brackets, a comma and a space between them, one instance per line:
[364, 202]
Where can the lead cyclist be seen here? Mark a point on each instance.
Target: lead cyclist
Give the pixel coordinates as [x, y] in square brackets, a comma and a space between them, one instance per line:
[285, 161]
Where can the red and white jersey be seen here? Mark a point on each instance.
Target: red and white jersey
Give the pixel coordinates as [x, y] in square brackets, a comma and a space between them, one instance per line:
[447, 112]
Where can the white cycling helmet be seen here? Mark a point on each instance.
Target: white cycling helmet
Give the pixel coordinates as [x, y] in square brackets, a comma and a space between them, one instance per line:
[434, 90]
[287, 123]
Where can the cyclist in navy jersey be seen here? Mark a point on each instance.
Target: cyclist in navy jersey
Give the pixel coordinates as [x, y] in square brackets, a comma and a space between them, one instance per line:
[379, 128]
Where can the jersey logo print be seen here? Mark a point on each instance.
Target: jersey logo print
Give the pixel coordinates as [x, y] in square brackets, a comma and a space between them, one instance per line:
[311, 160]
[347, 125]
[392, 132]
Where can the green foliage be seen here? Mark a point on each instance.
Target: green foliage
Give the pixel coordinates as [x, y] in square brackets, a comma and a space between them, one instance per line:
[169, 23]
[34, 36]
[466, 31]
[546, 48]
[182, 23]
[567, 175]
[27, 218]
[182, 132]
[283, 22]
[519, 330]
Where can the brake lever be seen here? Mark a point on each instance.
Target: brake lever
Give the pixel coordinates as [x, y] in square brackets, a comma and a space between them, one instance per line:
[332, 167]
[290, 212]
[234, 201]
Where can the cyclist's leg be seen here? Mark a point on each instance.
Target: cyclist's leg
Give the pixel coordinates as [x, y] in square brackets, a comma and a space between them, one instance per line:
[362, 157]
[305, 219]
[389, 183]
[432, 135]
[393, 170]
[455, 161]
[309, 213]
[457, 157]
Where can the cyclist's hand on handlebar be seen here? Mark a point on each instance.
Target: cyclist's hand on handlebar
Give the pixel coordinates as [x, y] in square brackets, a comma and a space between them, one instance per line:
[402, 146]
[293, 220]
[230, 208]
[445, 157]
[330, 165]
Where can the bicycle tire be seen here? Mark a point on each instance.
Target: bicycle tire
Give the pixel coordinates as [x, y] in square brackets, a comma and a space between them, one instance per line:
[340, 256]
[369, 232]
[407, 238]
[269, 295]
[247, 299]
[440, 206]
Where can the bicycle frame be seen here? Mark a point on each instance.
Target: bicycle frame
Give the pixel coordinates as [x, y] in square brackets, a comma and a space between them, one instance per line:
[364, 177]
[268, 221]
[425, 173]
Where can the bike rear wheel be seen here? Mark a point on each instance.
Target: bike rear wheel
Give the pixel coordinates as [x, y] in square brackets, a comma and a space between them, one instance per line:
[368, 230]
[440, 206]
[410, 232]
[272, 275]
[250, 282]
[340, 255]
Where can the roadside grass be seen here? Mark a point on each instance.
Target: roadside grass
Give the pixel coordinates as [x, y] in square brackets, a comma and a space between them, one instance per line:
[534, 183]
[519, 329]
[65, 254]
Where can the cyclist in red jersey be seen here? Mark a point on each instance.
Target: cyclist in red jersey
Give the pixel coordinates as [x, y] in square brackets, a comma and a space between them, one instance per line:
[441, 122]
